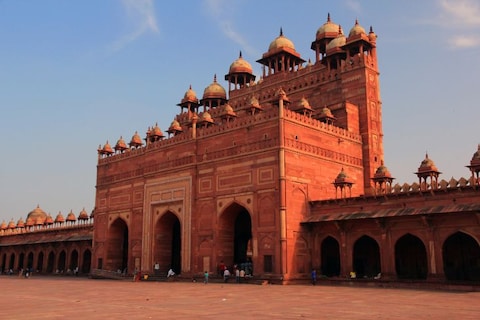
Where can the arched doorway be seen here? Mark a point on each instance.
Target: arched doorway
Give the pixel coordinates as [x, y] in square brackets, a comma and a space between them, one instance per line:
[410, 258]
[73, 260]
[51, 262]
[234, 237]
[330, 257]
[40, 262]
[87, 258]
[117, 255]
[461, 258]
[62, 261]
[168, 243]
[366, 257]
[29, 261]
[21, 259]
[12, 262]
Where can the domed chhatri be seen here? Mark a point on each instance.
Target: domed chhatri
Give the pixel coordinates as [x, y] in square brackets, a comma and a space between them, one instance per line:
[136, 141]
[356, 30]
[71, 217]
[59, 218]
[338, 42]
[120, 146]
[190, 96]
[281, 42]
[327, 30]
[240, 66]
[83, 215]
[37, 213]
[214, 90]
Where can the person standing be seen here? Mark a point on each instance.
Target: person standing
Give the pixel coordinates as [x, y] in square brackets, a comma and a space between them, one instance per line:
[314, 277]
[226, 275]
[205, 279]
[156, 268]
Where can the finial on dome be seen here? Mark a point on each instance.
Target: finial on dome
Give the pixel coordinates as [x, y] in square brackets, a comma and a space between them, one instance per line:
[190, 87]
[340, 30]
[356, 21]
[328, 17]
[281, 32]
[215, 77]
[371, 29]
[240, 54]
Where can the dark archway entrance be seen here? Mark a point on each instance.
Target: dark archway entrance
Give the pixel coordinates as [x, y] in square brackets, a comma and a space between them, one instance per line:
[62, 257]
[461, 258]
[410, 258]
[234, 237]
[117, 255]
[29, 265]
[87, 258]
[21, 259]
[51, 262]
[73, 260]
[366, 257]
[12, 262]
[168, 243]
[40, 262]
[330, 257]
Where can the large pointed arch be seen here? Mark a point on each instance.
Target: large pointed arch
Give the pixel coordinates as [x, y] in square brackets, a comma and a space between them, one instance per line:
[366, 257]
[168, 243]
[461, 256]
[234, 238]
[330, 251]
[117, 246]
[410, 258]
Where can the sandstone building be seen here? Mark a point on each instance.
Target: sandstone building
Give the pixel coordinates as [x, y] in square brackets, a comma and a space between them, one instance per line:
[281, 174]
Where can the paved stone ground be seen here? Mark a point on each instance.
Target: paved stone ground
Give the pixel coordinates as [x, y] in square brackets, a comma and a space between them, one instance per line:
[81, 298]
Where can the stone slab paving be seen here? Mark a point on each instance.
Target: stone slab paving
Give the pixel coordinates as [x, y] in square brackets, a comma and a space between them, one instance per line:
[81, 298]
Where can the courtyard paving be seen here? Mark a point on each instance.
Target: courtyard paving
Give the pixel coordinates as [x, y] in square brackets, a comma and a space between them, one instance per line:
[82, 298]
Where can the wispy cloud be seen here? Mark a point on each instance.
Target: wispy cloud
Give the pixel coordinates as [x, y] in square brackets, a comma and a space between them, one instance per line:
[354, 5]
[218, 9]
[463, 18]
[461, 12]
[141, 14]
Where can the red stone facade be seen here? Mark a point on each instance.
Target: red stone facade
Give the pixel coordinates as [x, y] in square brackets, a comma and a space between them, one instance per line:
[233, 180]
[45, 245]
[284, 175]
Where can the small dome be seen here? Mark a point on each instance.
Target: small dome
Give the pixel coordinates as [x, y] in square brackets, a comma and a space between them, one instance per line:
[206, 117]
[175, 126]
[240, 66]
[328, 29]
[254, 102]
[49, 220]
[59, 218]
[427, 165]
[214, 90]
[83, 215]
[20, 223]
[37, 213]
[120, 145]
[304, 104]
[228, 110]
[339, 41]
[136, 140]
[3, 226]
[107, 149]
[382, 172]
[356, 30]
[156, 132]
[190, 96]
[326, 113]
[11, 224]
[71, 216]
[281, 42]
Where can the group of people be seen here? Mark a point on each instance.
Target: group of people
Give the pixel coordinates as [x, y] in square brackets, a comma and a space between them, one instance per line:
[242, 271]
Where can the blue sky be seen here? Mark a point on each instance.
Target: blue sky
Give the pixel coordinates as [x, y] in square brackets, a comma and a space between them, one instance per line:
[74, 74]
